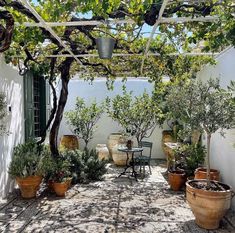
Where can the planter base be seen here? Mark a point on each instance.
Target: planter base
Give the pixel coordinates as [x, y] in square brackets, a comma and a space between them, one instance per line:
[29, 185]
[208, 207]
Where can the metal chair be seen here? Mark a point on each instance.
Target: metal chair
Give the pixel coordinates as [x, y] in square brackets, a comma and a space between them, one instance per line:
[144, 160]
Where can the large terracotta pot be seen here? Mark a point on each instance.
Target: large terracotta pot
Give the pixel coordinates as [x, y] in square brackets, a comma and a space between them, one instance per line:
[120, 158]
[200, 173]
[69, 142]
[29, 185]
[208, 207]
[167, 136]
[176, 179]
[113, 140]
[102, 151]
[61, 188]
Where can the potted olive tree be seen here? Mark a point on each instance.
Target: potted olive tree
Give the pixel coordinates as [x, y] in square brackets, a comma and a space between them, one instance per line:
[211, 110]
[84, 118]
[27, 167]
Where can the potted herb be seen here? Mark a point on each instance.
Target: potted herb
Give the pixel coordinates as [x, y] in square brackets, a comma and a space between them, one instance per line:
[189, 157]
[60, 175]
[27, 168]
[211, 110]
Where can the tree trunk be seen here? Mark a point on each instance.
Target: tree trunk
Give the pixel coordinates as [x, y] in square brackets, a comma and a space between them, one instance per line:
[65, 76]
[52, 114]
[208, 160]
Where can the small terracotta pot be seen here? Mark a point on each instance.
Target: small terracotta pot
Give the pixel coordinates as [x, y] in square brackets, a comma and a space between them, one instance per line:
[61, 188]
[50, 186]
[200, 173]
[29, 185]
[176, 179]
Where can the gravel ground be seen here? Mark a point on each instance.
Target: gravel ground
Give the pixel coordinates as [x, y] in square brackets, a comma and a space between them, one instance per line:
[117, 205]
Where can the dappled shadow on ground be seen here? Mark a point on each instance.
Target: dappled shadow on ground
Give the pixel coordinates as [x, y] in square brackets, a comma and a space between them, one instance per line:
[113, 205]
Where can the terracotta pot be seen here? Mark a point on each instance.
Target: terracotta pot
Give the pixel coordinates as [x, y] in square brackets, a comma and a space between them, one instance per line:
[113, 140]
[167, 136]
[69, 142]
[61, 188]
[50, 186]
[176, 179]
[102, 151]
[29, 185]
[200, 173]
[208, 207]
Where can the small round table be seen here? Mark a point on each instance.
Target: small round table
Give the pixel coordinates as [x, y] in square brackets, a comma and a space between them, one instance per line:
[131, 151]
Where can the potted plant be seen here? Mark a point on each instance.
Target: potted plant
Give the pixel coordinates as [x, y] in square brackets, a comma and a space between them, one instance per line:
[27, 168]
[59, 175]
[138, 115]
[212, 109]
[84, 118]
[189, 157]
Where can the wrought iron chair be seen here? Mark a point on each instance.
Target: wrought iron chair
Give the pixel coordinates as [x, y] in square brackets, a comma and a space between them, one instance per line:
[144, 160]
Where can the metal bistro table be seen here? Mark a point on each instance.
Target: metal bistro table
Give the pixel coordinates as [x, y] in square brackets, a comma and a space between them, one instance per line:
[131, 151]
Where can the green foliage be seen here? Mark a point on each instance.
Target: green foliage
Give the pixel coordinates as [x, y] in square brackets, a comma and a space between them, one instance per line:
[189, 157]
[138, 115]
[27, 160]
[81, 166]
[203, 106]
[58, 169]
[93, 169]
[84, 118]
[3, 107]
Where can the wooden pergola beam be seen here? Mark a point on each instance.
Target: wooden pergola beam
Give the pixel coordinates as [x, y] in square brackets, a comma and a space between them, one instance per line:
[164, 4]
[129, 21]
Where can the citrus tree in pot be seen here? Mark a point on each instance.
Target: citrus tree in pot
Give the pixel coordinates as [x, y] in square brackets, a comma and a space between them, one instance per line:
[84, 118]
[27, 167]
[138, 115]
[211, 110]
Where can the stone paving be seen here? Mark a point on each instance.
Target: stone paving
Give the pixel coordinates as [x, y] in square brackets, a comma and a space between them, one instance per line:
[116, 205]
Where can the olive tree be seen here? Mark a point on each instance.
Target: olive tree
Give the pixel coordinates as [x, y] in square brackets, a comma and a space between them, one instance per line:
[138, 115]
[204, 106]
[83, 119]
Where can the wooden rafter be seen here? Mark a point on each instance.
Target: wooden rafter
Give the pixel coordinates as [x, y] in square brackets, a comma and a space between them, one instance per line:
[164, 4]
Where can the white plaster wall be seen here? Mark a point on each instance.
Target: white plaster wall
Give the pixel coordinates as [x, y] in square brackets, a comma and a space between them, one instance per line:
[105, 126]
[11, 83]
[223, 149]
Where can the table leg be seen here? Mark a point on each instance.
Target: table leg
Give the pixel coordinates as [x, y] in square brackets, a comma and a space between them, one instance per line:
[127, 166]
[134, 173]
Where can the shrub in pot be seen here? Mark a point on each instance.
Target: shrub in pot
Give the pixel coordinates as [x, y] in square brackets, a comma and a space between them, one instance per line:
[59, 174]
[27, 167]
[212, 109]
[189, 157]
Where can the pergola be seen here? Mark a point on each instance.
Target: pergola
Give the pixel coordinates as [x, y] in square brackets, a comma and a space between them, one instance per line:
[160, 20]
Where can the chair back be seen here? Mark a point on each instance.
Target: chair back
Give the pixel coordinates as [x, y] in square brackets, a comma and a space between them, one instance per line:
[148, 145]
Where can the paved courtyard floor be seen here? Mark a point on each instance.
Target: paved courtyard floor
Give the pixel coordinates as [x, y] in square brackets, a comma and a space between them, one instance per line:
[116, 205]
